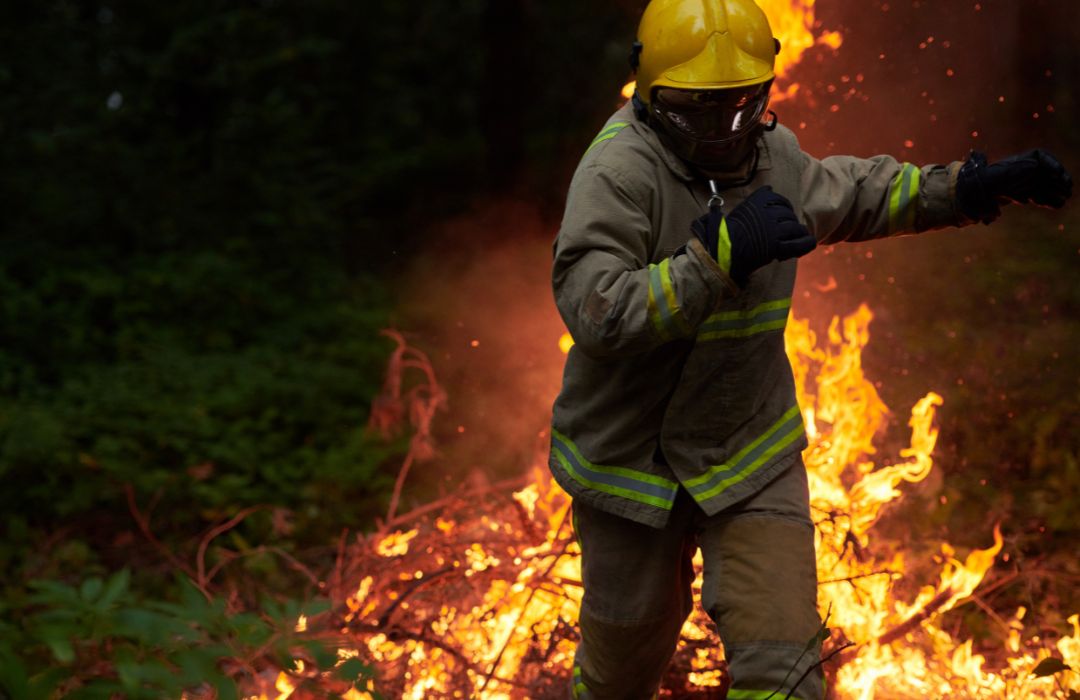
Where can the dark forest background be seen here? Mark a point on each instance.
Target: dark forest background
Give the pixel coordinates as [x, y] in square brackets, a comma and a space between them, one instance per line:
[210, 209]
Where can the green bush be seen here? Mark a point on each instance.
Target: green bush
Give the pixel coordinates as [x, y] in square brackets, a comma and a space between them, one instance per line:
[99, 640]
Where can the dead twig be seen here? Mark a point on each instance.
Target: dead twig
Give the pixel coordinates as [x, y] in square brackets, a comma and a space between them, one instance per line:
[229, 556]
[822, 662]
[144, 526]
[443, 503]
[200, 557]
[907, 625]
[849, 579]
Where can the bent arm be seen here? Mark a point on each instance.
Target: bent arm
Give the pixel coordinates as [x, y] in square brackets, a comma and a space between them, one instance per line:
[613, 300]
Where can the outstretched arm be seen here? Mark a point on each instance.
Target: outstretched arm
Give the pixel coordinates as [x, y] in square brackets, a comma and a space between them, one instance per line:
[857, 199]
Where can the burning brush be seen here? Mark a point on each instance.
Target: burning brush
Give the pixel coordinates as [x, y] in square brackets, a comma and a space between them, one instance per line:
[476, 595]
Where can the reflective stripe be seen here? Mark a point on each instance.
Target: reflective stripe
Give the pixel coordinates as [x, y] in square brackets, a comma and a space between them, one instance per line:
[723, 248]
[579, 685]
[664, 311]
[618, 481]
[742, 694]
[904, 199]
[609, 132]
[772, 315]
[749, 459]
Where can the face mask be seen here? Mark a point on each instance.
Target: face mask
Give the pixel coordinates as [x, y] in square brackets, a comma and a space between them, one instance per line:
[714, 130]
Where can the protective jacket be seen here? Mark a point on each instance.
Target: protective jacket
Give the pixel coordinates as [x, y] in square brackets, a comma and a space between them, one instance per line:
[678, 377]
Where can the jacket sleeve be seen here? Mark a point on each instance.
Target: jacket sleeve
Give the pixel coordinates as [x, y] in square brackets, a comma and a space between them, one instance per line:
[613, 300]
[858, 199]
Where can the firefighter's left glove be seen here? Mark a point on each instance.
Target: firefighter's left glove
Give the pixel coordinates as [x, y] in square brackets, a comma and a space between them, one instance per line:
[1035, 176]
[761, 229]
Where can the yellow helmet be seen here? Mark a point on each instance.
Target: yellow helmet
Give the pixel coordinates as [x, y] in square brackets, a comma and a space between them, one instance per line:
[703, 45]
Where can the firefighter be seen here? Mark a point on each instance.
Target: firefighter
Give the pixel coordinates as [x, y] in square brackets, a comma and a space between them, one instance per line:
[676, 427]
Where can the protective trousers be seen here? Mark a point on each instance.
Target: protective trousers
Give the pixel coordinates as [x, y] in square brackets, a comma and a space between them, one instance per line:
[759, 588]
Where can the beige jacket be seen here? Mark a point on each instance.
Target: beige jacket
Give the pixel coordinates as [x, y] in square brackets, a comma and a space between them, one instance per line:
[677, 377]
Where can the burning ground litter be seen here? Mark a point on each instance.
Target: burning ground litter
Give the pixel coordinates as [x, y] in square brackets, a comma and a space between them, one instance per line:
[477, 594]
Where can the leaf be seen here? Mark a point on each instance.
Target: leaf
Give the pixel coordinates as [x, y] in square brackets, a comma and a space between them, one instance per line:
[43, 684]
[354, 670]
[115, 587]
[90, 589]
[153, 628]
[323, 655]
[1049, 666]
[53, 593]
[12, 675]
[127, 670]
[61, 649]
[316, 607]
[195, 665]
[225, 687]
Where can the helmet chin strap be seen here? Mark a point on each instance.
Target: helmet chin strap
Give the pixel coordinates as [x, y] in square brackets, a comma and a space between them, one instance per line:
[735, 177]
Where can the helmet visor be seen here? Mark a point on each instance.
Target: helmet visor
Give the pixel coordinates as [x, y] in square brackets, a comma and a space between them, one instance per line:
[714, 116]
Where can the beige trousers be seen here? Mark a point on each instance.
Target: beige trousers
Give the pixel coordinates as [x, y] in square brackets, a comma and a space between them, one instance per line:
[760, 588]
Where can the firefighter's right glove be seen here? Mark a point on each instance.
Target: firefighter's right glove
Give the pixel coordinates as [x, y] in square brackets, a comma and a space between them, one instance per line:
[1034, 177]
[761, 229]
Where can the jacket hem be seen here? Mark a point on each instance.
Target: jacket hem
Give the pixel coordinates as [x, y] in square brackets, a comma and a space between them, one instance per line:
[614, 505]
[755, 482]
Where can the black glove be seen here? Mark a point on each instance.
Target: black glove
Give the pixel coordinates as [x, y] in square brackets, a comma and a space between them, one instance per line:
[1034, 176]
[761, 229]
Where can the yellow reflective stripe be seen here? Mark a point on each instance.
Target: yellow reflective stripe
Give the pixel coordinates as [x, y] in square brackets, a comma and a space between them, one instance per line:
[749, 459]
[579, 685]
[723, 248]
[608, 132]
[784, 303]
[775, 325]
[904, 199]
[913, 195]
[655, 291]
[664, 311]
[669, 289]
[772, 315]
[743, 694]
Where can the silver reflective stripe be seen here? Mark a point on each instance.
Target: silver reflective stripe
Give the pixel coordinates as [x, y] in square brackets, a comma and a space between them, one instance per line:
[626, 483]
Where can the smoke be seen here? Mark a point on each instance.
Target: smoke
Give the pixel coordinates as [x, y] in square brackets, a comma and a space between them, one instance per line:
[480, 302]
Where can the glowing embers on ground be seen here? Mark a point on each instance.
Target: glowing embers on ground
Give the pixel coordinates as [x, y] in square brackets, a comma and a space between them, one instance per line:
[477, 595]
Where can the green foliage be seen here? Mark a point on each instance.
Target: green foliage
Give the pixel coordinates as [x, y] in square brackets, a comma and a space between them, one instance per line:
[196, 202]
[98, 640]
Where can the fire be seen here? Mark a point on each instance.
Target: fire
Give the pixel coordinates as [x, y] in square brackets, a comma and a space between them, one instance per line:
[565, 343]
[479, 596]
[794, 23]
